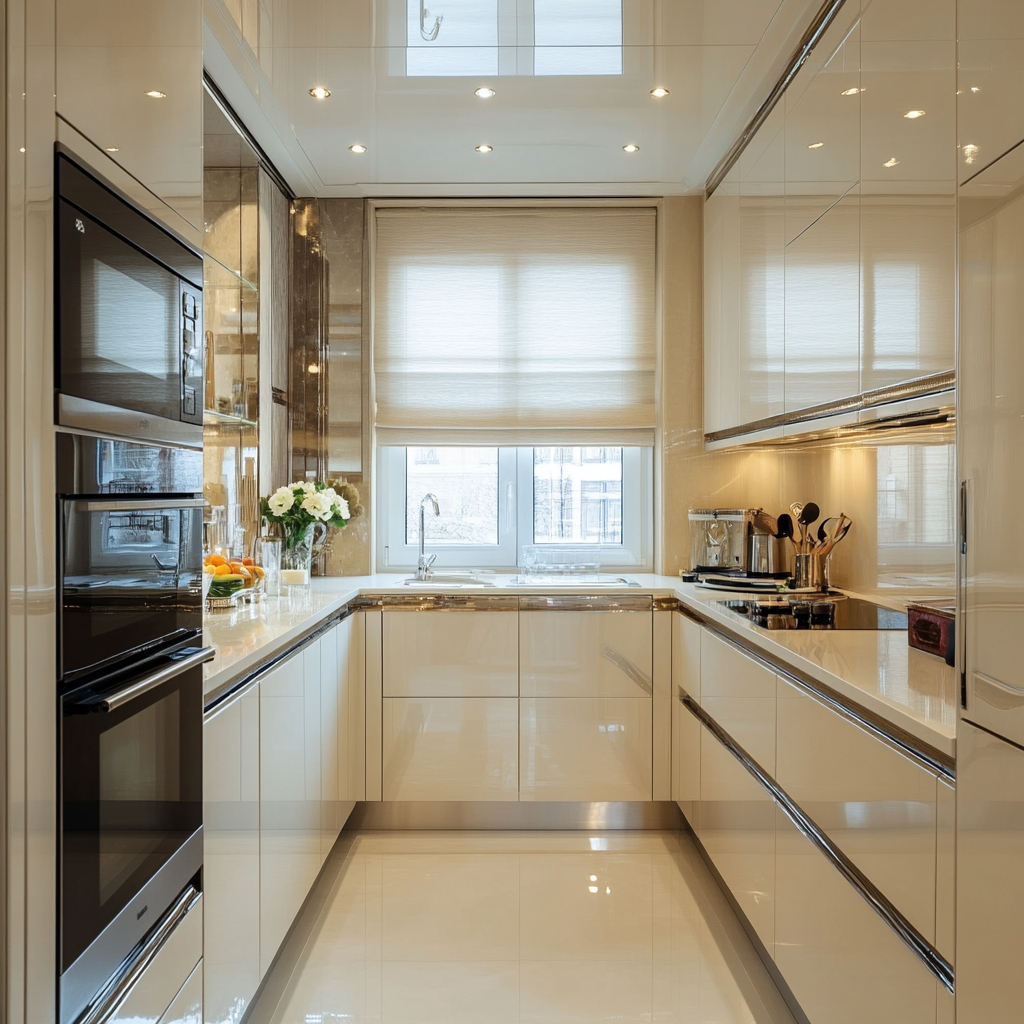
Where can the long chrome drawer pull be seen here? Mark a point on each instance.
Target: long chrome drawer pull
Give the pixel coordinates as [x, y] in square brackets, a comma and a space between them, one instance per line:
[114, 993]
[929, 956]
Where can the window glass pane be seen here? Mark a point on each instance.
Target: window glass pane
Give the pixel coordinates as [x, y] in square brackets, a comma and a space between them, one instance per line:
[577, 37]
[466, 42]
[577, 495]
[465, 483]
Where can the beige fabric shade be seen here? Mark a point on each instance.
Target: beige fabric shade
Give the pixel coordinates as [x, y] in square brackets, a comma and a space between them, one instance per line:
[514, 326]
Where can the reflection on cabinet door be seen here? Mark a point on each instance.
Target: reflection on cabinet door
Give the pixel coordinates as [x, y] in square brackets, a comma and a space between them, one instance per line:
[585, 654]
[231, 855]
[875, 804]
[330, 740]
[844, 964]
[451, 654]
[989, 879]
[450, 748]
[351, 638]
[130, 78]
[289, 798]
[573, 748]
[187, 1006]
[735, 822]
[686, 636]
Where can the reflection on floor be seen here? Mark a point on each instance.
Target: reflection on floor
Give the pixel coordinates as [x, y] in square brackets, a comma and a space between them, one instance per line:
[495, 927]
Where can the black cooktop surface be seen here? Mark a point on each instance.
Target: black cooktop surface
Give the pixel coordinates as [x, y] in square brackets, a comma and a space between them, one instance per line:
[833, 611]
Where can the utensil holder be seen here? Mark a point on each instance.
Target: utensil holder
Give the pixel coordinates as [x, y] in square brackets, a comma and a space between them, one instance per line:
[811, 570]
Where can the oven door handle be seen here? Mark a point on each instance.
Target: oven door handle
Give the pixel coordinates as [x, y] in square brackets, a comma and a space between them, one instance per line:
[151, 682]
[136, 505]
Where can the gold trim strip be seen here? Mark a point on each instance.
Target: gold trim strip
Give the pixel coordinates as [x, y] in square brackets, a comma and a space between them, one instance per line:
[585, 603]
[445, 603]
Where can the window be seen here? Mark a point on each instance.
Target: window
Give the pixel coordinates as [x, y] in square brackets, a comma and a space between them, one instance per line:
[506, 37]
[493, 501]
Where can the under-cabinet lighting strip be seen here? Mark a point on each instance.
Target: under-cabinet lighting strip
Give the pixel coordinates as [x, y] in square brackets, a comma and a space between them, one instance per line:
[822, 20]
[932, 959]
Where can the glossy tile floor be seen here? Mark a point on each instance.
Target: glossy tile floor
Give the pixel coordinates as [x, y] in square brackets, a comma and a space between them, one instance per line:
[495, 927]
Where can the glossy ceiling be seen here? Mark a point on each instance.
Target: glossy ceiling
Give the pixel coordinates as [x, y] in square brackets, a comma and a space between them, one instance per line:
[572, 82]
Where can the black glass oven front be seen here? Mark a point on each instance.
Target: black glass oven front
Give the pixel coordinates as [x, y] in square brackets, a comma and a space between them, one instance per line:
[130, 810]
[129, 314]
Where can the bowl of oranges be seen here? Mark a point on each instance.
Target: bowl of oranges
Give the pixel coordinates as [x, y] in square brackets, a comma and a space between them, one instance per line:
[230, 579]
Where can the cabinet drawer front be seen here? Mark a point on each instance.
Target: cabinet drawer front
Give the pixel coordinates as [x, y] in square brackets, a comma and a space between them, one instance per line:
[728, 672]
[451, 748]
[842, 961]
[876, 805]
[586, 654]
[735, 822]
[451, 654]
[591, 749]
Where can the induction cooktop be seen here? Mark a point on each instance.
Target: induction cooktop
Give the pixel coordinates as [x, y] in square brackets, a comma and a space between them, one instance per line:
[832, 611]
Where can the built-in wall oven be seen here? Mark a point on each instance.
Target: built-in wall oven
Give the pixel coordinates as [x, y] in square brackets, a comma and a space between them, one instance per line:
[129, 354]
[130, 690]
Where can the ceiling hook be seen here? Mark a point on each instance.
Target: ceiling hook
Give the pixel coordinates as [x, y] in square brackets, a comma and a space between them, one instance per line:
[424, 15]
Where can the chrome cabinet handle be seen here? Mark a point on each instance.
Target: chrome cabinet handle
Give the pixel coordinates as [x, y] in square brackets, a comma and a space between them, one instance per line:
[147, 683]
[170, 504]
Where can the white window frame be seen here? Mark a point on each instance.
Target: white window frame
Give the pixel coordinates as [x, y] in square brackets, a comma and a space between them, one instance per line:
[515, 516]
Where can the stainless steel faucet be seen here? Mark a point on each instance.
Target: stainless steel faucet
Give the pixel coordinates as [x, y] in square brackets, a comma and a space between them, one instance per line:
[423, 570]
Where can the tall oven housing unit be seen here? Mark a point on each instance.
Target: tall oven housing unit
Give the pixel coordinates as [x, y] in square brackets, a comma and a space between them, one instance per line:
[129, 470]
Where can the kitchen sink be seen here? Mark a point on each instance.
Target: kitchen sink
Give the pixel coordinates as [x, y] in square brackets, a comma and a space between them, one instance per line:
[572, 580]
[466, 580]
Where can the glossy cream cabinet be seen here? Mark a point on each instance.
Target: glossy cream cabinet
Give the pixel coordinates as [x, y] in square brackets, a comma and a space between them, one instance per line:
[284, 764]
[112, 56]
[483, 701]
[231, 854]
[842, 961]
[877, 805]
[830, 247]
[750, 744]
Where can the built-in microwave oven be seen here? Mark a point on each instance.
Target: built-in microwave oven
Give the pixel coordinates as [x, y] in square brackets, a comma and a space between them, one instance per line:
[129, 317]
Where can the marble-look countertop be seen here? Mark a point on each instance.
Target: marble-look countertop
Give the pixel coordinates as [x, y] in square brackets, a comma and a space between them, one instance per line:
[874, 669]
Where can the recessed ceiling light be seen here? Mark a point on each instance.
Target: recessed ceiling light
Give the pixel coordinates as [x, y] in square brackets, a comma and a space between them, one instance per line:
[156, 94]
[485, 92]
[22, 150]
[357, 147]
[891, 162]
[313, 368]
[484, 148]
[852, 92]
[974, 88]
[913, 115]
[112, 149]
[659, 92]
[319, 92]
[631, 147]
[816, 145]
[970, 152]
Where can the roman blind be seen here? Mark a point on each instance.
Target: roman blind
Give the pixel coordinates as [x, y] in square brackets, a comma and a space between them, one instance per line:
[514, 326]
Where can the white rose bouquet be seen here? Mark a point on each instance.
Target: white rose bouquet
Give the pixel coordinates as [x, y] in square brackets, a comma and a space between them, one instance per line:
[303, 504]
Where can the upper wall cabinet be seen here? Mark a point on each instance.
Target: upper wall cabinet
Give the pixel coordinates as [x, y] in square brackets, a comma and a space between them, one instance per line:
[130, 79]
[830, 245]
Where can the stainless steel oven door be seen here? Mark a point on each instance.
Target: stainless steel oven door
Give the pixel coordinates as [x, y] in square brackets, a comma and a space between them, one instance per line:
[131, 579]
[131, 813]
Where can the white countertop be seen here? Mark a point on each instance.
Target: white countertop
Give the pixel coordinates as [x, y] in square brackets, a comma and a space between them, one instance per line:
[875, 669]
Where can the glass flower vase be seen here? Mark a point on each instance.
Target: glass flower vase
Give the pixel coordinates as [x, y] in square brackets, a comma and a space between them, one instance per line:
[297, 555]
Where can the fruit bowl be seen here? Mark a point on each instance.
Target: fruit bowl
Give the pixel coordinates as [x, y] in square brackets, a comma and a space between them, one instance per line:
[230, 580]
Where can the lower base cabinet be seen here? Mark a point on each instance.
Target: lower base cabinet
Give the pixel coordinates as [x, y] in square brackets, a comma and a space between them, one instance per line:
[450, 748]
[735, 822]
[842, 961]
[585, 748]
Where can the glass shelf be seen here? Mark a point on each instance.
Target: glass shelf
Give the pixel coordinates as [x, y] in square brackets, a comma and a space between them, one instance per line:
[213, 418]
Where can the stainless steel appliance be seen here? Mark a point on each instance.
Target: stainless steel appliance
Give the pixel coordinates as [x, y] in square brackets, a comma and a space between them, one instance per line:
[728, 540]
[129, 358]
[131, 699]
